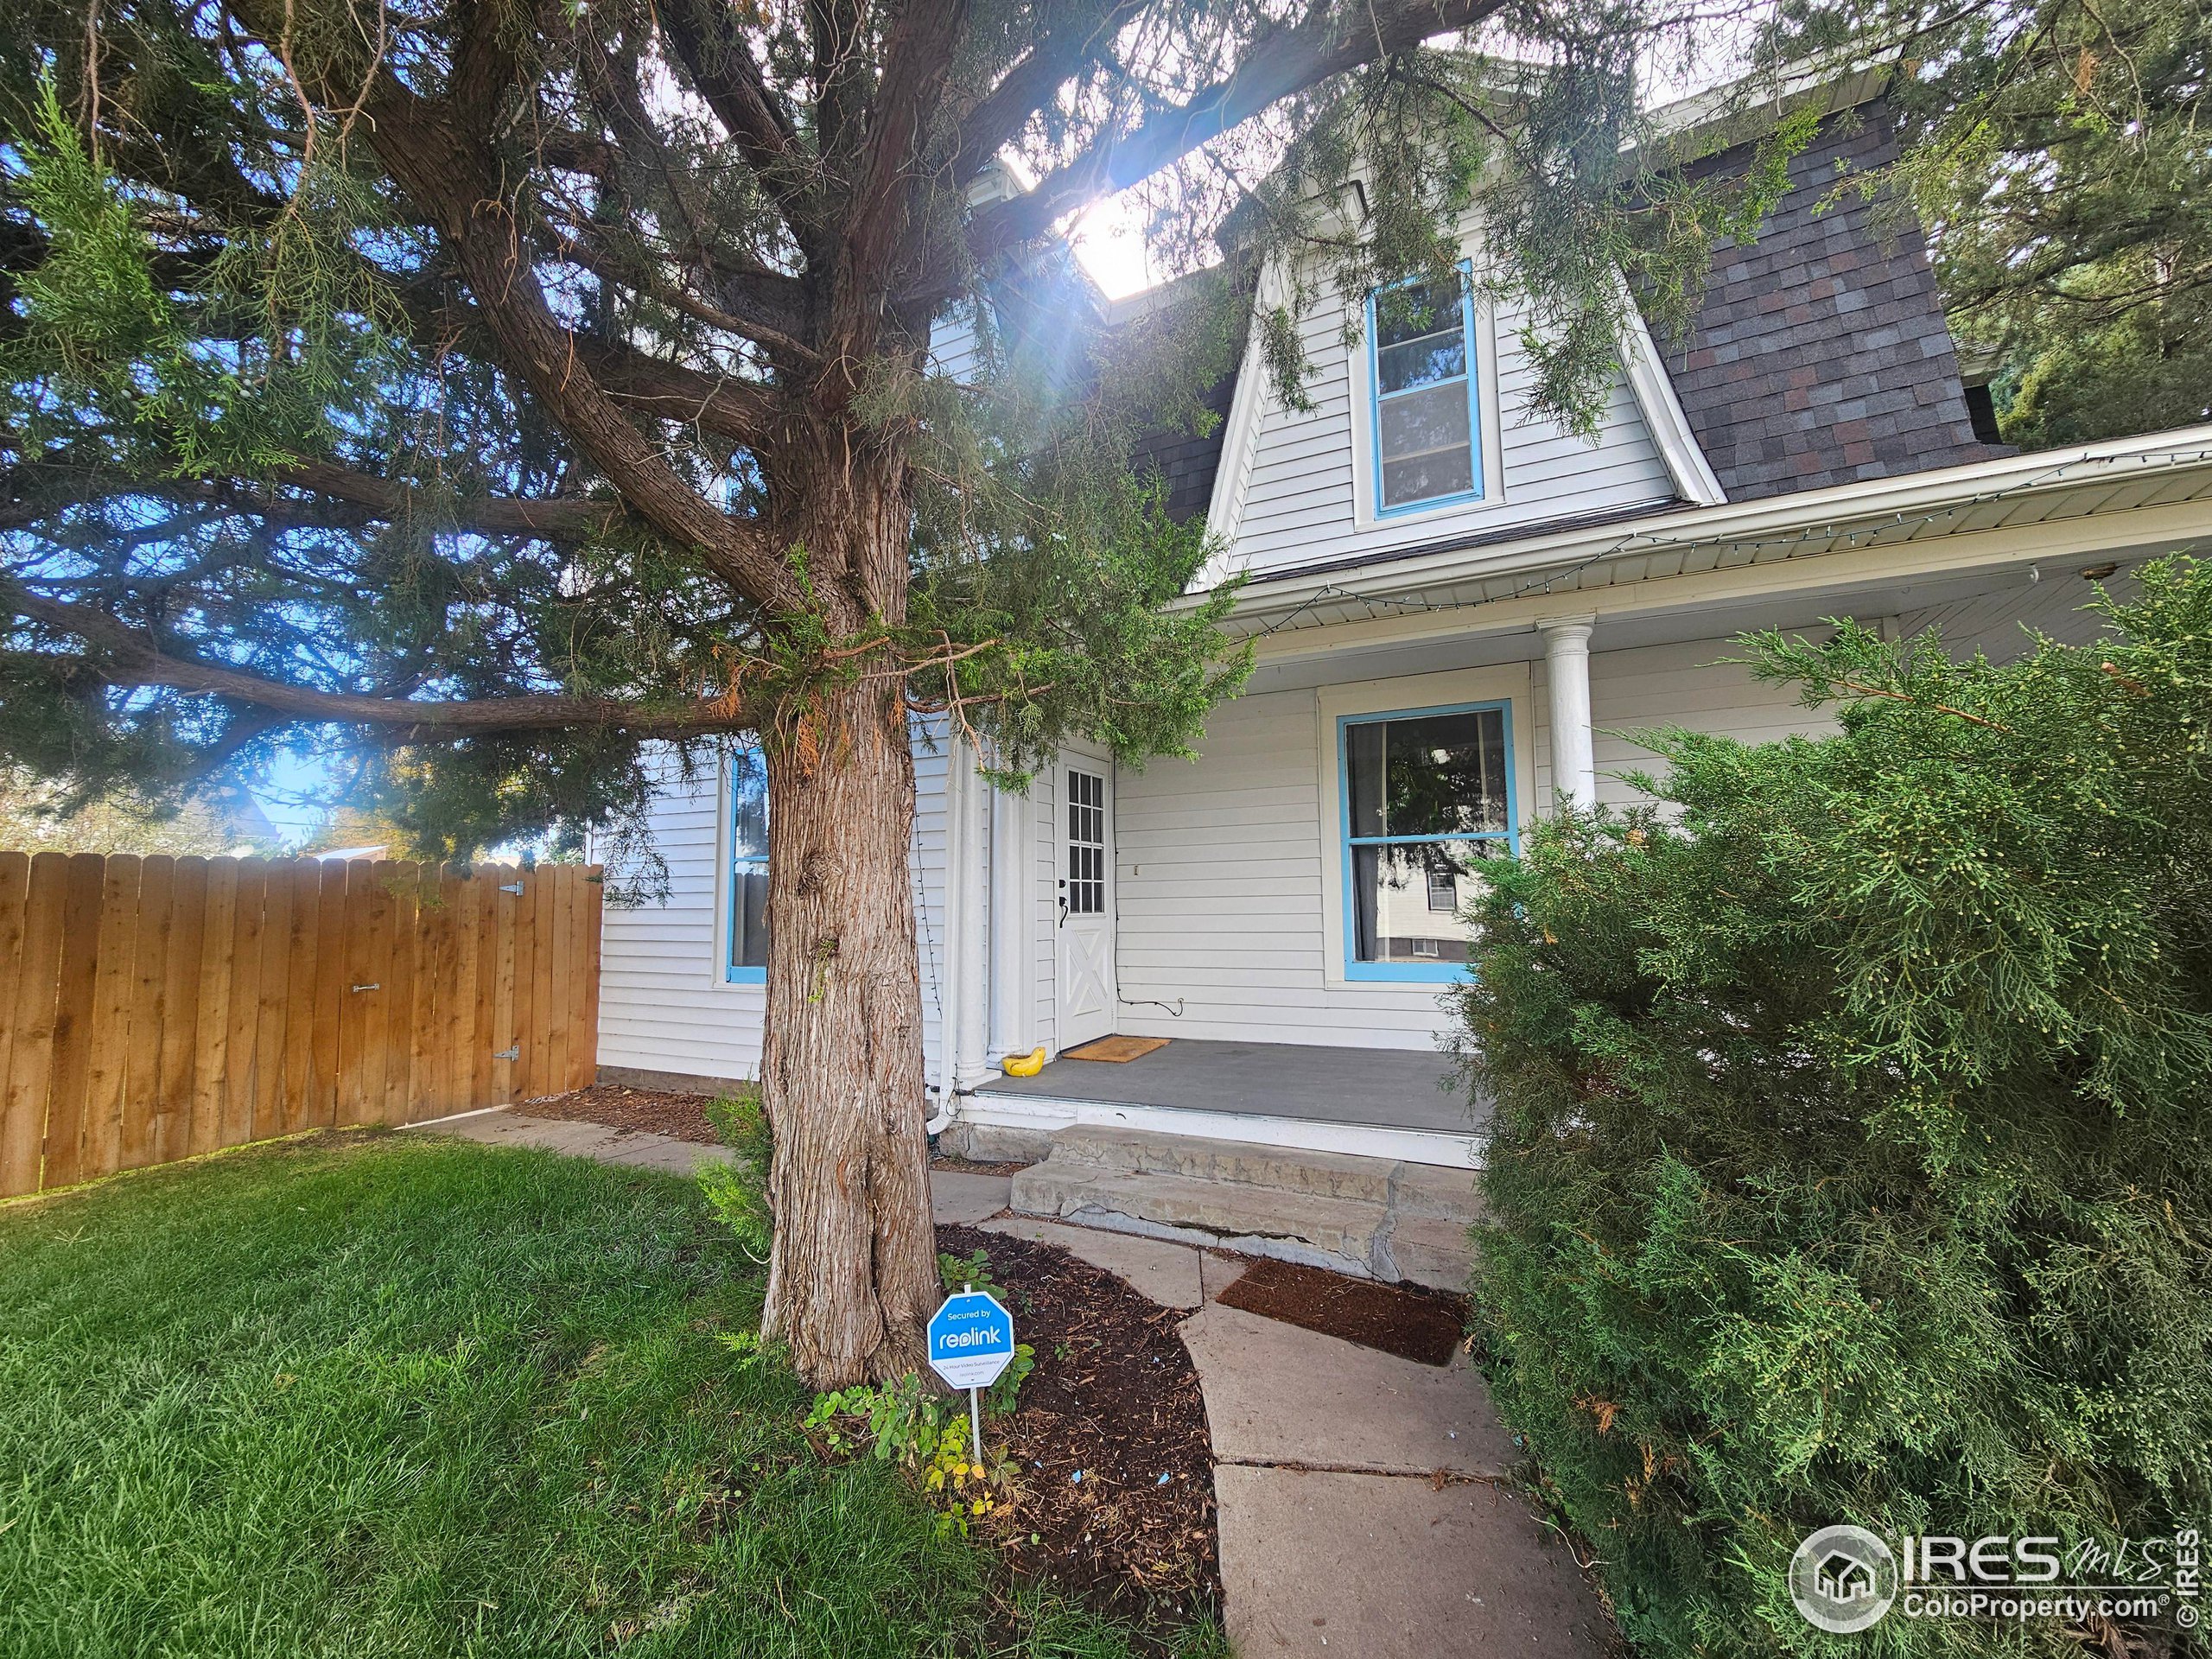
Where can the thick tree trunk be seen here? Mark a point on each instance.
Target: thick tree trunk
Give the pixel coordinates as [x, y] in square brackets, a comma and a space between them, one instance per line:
[853, 1277]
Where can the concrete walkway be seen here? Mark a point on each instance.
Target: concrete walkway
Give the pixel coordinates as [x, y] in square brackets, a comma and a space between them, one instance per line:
[1363, 1504]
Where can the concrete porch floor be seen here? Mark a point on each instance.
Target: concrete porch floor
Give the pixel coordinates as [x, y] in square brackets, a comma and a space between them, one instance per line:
[1396, 1088]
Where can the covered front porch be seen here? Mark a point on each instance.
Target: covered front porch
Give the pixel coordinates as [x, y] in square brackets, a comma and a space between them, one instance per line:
[1287, 907]
[1400, 1104]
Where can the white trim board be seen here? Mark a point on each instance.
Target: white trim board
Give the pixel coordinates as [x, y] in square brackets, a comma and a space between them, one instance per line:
[1049, 1115]
[1653, 389]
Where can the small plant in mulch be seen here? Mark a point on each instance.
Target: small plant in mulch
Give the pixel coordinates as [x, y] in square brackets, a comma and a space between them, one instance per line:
[1098, 1467]
[909, 1425]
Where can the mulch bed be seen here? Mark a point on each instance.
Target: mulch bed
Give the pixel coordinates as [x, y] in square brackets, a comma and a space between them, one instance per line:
[684, 1116]
[1114, 1400]
[1424, 1325]
[654, 1111]
[946, 1160]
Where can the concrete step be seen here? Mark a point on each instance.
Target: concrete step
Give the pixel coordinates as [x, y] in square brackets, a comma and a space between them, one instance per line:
[1140, 1152]
[1372, 1216]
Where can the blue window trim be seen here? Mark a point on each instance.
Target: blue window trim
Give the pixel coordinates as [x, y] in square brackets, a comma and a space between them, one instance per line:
[732, 974]
[1410, 972]
[1474, 405]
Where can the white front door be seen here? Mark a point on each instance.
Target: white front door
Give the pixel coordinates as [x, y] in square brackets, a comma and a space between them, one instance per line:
[1086, 904]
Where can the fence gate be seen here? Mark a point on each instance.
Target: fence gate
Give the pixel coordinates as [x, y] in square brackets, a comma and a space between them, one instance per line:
[152, 1008]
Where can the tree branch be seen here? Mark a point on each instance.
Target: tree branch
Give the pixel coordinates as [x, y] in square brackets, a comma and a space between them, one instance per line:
[1332, 40]
[722, 70]
[452, 178]
[917, 56]
[1001, 113]
[29, 500]
[129, 657]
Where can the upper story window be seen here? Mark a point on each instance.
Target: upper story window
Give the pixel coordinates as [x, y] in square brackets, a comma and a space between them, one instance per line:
[748, 959]
[1426, 433]
[1428, 800]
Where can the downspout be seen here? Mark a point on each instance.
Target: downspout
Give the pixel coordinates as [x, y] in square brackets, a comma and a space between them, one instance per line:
[957, 776]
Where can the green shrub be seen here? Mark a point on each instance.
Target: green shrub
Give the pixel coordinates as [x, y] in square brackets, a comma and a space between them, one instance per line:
[1849, 1161]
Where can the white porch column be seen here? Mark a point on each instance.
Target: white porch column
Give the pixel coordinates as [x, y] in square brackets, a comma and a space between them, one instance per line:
[951, 935]
[972, 1017]
[1566, 664]
[1013, 929]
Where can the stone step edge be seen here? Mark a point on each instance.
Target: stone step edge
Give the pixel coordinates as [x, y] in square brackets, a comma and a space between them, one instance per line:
[1079, 1196]
[1412, 1189]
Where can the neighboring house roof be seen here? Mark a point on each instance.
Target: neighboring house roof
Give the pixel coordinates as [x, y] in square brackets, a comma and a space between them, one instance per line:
[1820, 355]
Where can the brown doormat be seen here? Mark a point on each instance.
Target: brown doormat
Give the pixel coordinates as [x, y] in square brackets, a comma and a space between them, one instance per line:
[1114, 1049]
[1424, 1325]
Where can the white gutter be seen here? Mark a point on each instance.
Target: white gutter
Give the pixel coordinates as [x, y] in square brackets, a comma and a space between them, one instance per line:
[1841, 512]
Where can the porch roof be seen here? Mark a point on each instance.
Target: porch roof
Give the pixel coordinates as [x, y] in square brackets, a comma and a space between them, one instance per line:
[1396, 1089]
[2140, 492]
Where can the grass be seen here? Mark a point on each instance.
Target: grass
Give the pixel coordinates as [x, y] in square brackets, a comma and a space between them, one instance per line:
[384, 1395]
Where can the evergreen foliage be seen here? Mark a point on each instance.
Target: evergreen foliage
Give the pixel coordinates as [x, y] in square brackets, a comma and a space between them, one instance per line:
[2055, 149]
[308, 447]
[1850, 1157]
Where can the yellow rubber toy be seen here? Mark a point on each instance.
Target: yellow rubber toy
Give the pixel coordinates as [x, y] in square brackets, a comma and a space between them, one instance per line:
[1026, 1065]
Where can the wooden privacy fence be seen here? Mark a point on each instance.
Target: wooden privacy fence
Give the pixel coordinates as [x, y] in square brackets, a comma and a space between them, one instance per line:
[152, 1008]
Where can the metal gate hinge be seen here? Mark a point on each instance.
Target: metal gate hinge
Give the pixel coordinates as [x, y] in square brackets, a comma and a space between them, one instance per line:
[374, 985]
[516, 889]
[514, 1053]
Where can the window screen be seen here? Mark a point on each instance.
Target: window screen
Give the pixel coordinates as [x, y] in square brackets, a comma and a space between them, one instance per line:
[748, 865]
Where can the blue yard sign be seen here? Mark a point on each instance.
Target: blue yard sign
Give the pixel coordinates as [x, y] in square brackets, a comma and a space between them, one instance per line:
[971, 1340]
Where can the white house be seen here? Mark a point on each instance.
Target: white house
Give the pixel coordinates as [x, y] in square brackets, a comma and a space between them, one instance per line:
[1461, 612]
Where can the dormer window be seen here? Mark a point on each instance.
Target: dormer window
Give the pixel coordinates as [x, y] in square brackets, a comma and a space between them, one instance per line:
[1426, 433]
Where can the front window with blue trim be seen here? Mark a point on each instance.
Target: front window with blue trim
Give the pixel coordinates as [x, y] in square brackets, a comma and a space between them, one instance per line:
[1428, 802]
[1422, 352]
[748, 868]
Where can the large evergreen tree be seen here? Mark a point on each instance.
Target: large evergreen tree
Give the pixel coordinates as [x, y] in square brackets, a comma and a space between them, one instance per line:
[498, 390]
[2057, 151]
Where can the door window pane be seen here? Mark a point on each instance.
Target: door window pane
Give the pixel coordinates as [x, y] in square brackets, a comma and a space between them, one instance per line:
[1086, 857]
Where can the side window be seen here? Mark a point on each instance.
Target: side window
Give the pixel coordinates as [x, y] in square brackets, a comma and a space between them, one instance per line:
[1428, 802]
[747, 963]
[1422, 358]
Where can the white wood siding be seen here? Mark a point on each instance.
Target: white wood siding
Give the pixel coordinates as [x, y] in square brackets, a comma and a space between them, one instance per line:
[1687, 685]
[1222, 860]
[1995, 623]
[1298, 502]
[1220, 866]
[664, 1003]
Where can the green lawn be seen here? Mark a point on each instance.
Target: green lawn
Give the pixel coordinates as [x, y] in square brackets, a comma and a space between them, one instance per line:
[398, 1396]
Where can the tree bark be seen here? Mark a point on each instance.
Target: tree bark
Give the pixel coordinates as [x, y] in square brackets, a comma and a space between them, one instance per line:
[852, 1276]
